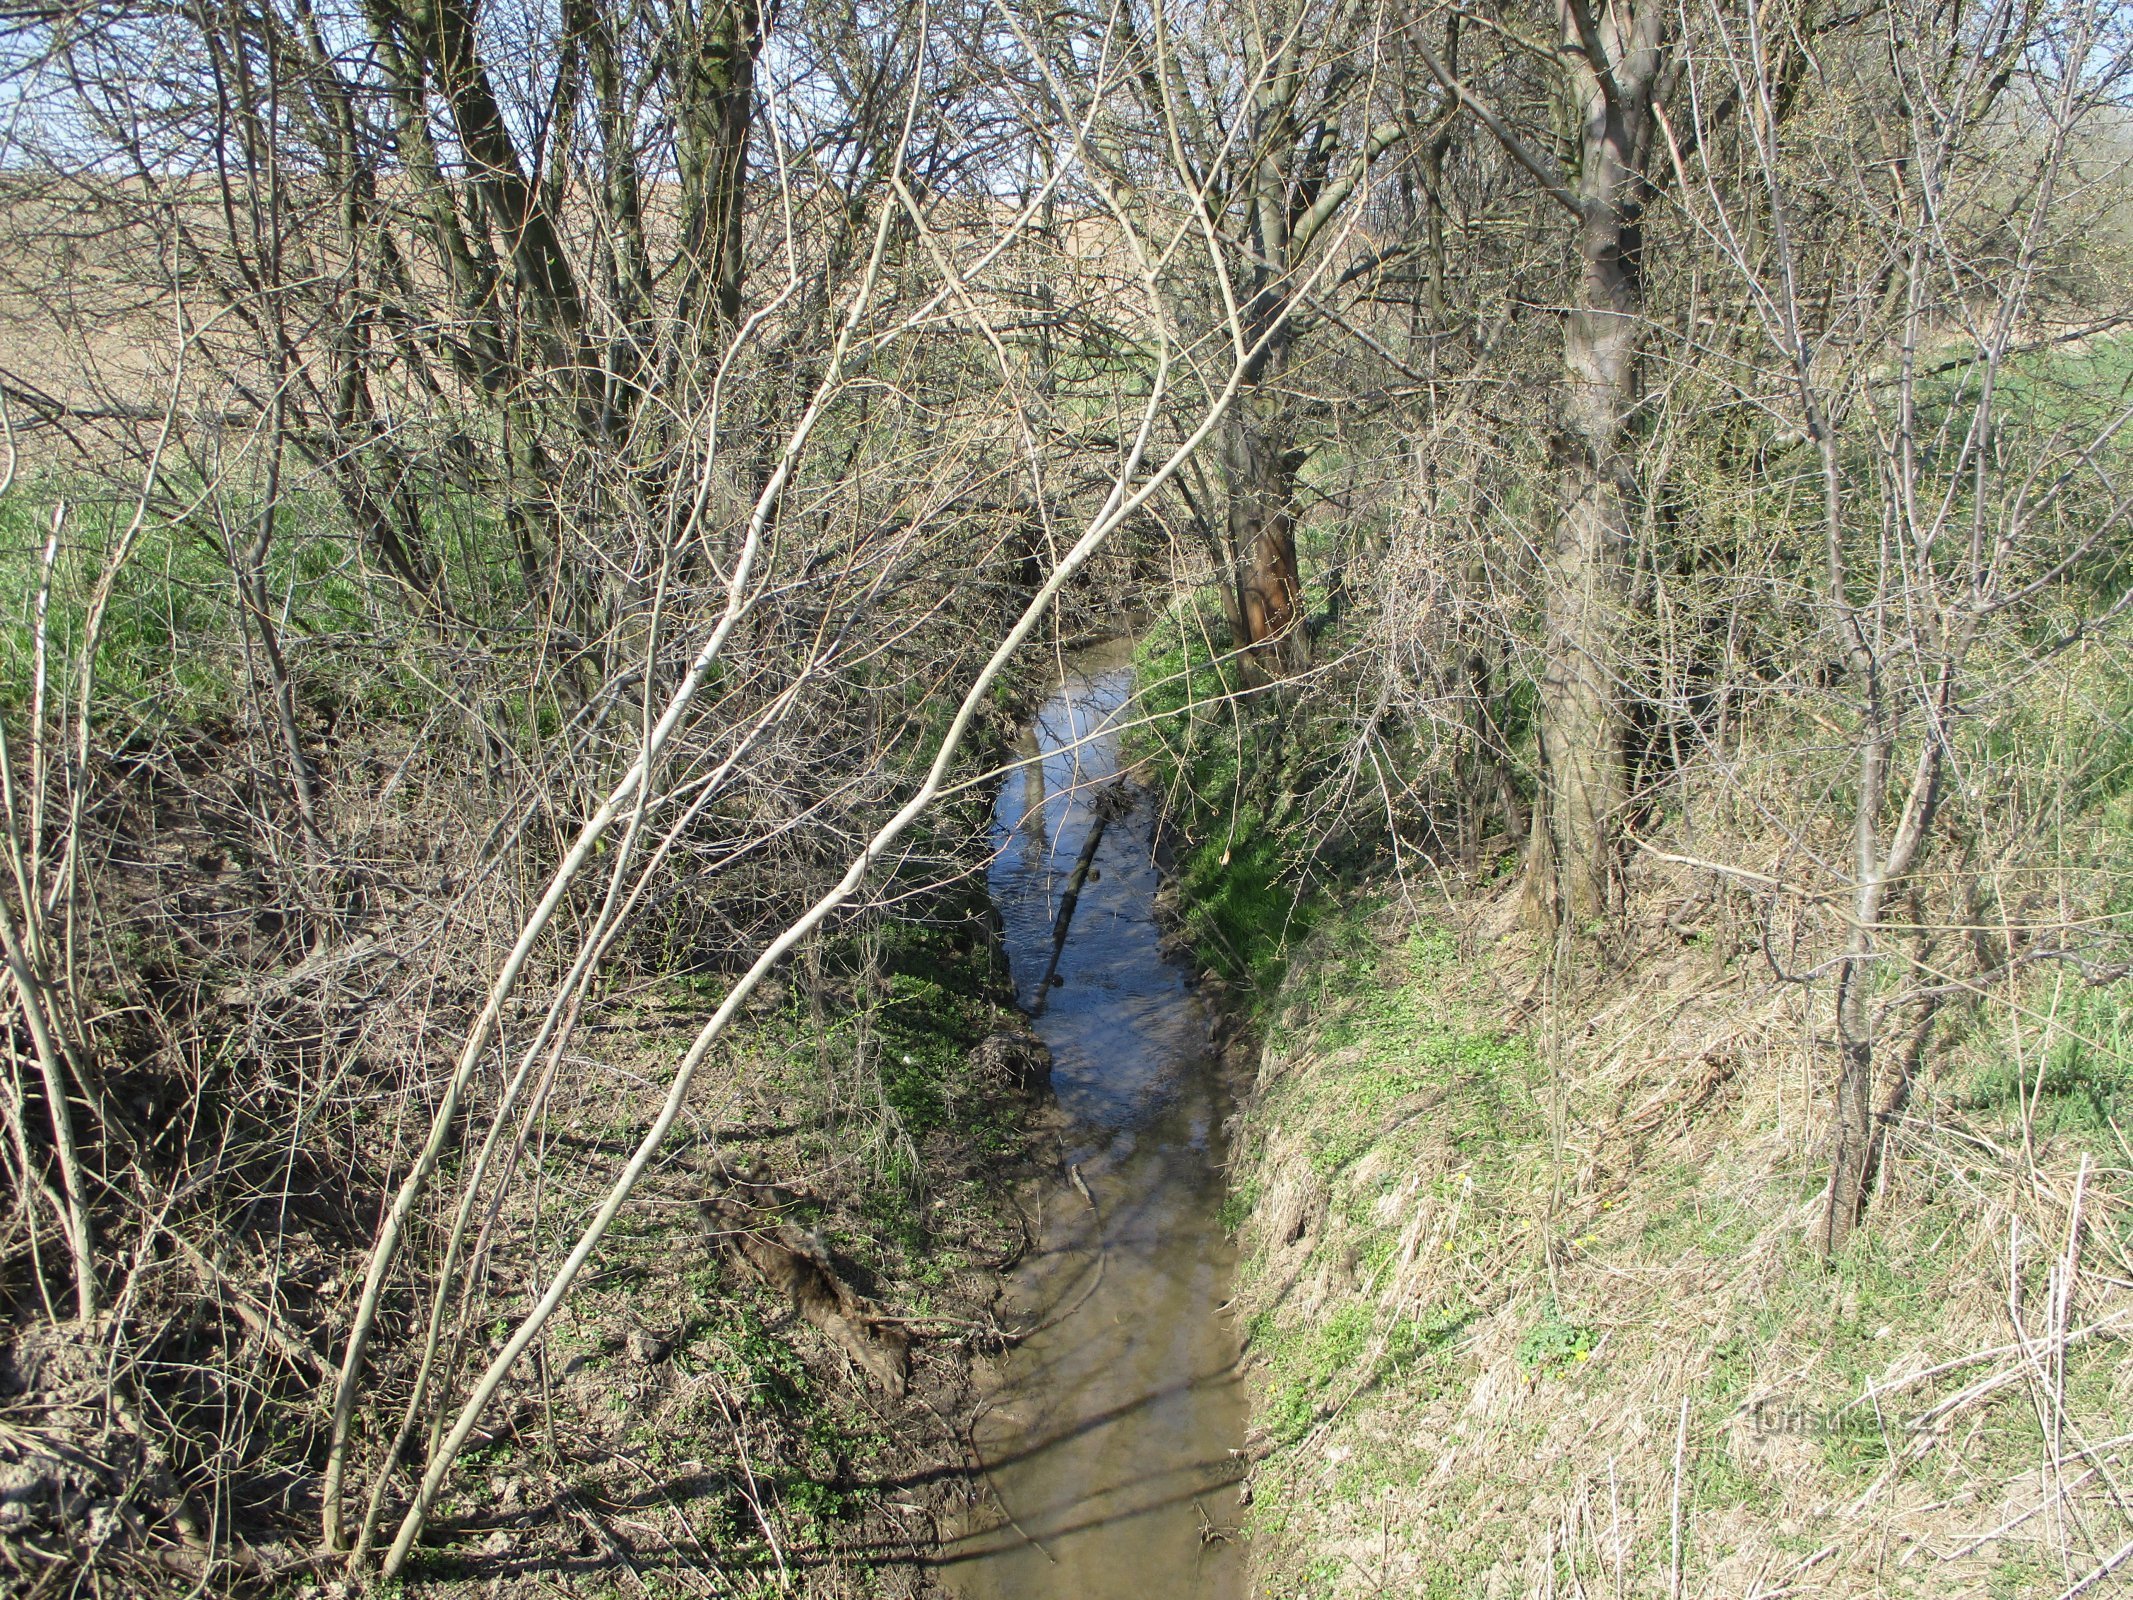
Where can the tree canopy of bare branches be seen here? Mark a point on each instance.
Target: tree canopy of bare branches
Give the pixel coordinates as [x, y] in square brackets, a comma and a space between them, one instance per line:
[503, 500]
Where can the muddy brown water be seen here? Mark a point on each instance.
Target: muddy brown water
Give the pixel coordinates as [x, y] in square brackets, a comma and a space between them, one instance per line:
[1107, 1439]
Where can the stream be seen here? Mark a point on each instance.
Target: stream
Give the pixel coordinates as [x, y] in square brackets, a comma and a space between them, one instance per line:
[1107, 1436]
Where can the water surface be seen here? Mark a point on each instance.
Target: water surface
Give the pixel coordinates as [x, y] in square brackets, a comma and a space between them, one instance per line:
[1108, 1439]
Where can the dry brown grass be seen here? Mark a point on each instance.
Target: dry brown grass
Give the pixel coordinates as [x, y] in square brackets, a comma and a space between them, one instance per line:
[1547, 1320]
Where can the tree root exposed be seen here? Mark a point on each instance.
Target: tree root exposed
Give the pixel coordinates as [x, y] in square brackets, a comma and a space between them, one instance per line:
[796, 1264]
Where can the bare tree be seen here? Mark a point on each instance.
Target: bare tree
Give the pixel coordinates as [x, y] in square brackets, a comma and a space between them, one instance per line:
[1899, 304]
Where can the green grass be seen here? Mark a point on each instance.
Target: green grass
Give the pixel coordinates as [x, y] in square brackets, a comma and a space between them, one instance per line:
[1377, 1031]
[1401, 1037]
[170, 646]
[161, 657]
[1243, 878]
[1310, 1368]
[2078, 1079]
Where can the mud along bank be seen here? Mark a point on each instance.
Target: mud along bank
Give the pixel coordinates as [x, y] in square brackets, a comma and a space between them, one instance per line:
[764, 1385]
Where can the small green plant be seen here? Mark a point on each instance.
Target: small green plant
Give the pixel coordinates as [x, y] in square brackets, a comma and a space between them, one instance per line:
[818, 1505]
[1414, 1338]
[1554, 1344]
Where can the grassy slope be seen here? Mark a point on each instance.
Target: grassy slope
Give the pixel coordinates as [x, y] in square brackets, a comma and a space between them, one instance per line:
[1531, 1301]
[1524, 1271]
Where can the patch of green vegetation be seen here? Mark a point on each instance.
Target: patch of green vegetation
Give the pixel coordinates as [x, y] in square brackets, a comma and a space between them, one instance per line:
[1682, 1219]
[2078, 1082]
[2019, 1576]
[168, 653]
[761, 1367]
[1555, 1344]
[1321, 1576]
[1719, 1483]
[1404, 1035]
[1311, 1367]
[432, 1564]
[1457, 1566]
[1731, 1369]
[819, 1506]
[1219, 758]
[165, 601]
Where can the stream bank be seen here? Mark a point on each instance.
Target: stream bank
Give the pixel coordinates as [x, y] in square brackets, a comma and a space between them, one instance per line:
[934, 1299]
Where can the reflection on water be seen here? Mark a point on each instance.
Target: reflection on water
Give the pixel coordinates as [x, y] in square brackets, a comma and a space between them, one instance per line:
[1108, 1440]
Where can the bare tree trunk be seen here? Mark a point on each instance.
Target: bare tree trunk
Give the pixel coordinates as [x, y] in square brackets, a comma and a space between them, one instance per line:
[1852, 1125]
[1584, 563]
[716, 99]
[1572, 865]
[1262, 535]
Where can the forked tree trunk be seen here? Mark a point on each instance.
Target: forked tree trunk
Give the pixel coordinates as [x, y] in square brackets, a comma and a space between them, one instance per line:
[1880, 862]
